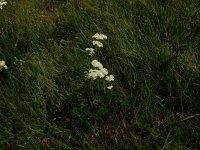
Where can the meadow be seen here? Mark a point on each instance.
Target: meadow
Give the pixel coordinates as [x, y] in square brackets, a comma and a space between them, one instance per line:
[48, 100]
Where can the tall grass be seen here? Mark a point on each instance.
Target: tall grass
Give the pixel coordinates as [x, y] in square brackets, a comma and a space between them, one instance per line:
[46, 101]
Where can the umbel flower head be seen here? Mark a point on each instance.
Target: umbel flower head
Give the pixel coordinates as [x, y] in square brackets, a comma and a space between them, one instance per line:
[97, 43]
[110, 78]
[98, 36]
[90, 50]
[3, 65]
[99, 71]
[95, 63]
[109, 87]
[2, 2]
[94, 73]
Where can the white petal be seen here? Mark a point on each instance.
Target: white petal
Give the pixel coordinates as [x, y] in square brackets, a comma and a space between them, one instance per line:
[109, 87]
[5, 67]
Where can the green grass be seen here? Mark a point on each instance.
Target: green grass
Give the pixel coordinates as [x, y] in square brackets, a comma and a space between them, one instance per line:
[152, 50]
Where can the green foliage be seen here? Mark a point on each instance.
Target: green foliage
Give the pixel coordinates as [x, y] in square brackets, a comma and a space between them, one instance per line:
[46, 101]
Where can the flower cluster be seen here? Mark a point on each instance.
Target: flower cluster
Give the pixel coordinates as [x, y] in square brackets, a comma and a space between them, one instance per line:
[98, 70]
[101, 72]
[109, 78]
[90, 50]
[96, 42]
[2, 2]
[3, 65]
[98, 36]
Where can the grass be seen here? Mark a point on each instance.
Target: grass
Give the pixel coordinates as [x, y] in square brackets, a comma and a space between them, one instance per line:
[152, 50]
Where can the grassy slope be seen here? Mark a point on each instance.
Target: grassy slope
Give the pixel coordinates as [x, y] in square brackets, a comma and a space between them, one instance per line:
[152, 50]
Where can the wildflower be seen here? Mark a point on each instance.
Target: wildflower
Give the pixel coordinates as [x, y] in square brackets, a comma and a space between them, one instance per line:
[93, 74]
[91, 51]
[109, 87]
[109, 78]
[98, 72]
[99, 36]
[97, 43]
[104, 71]
[3, 65]
[2, 2]
[97, 64]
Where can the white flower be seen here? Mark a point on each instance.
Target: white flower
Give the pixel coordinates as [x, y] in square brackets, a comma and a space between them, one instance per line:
[97, 64]
[109, 87]
[100, 74]
[6, 67]
[3, 65]
[91, 51]
[93, 74]
[97, 43]
[104, 71]
[2, 2]
[109, 78]
[99, 36]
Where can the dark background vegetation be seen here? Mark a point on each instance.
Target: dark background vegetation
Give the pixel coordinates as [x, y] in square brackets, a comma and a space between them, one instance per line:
[46, 102]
